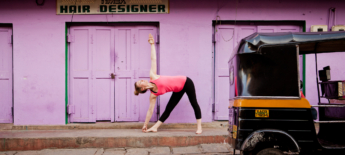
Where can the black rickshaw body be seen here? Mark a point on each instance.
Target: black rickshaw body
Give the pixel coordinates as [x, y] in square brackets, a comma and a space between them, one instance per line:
[266, 107]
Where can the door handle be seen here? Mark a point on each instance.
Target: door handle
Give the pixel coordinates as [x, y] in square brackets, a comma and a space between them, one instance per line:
[112, 75]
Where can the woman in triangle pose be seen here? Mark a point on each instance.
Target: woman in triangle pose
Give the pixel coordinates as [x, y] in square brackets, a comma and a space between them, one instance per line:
[159, 85]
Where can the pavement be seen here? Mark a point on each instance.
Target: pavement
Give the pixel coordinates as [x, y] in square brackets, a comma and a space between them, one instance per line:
[108, 125]
[21, 140]
[209, 149]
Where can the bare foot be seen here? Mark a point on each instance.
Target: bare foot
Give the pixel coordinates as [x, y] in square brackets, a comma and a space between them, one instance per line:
[199, 131]
[151, 130]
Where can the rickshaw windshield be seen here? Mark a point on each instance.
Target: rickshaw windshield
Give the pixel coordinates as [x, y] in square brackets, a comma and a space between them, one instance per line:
[271, 73]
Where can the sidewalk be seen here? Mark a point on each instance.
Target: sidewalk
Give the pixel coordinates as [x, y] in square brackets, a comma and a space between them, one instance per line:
[18, 140]
[108, 125]
[209, 149]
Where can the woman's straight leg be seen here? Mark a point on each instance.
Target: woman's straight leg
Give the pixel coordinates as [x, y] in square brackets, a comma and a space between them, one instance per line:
[174, 99]
[190, 91]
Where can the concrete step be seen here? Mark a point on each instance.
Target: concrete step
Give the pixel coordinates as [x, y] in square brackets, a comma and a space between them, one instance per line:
[18, 140]
[125, 125]
[205, 149]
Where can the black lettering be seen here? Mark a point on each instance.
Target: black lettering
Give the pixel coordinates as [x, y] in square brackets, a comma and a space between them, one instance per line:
[79, 9]
[161, 8]
[143, 8]
[72, 9]
[152, 8]
[63, 9]
[128, 8]
[103, 8]
[86, 8]
[120, 8]
[112, 8]
[134, 8]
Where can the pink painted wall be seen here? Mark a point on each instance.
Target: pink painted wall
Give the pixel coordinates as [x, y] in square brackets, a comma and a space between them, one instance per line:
[185, 49]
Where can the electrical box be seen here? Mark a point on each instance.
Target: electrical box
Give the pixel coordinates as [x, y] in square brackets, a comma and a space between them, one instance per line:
[319, 28]
[338, 28]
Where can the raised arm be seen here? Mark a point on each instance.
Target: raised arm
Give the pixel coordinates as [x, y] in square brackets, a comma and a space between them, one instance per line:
[153, 99]
[153, 70]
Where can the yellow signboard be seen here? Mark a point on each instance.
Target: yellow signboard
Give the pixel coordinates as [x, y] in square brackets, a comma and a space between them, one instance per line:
[262, 113]
[111, 6]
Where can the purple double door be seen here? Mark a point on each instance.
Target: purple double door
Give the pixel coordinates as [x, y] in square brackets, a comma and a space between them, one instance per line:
[104, 63]
[6, 75]
[227, 37]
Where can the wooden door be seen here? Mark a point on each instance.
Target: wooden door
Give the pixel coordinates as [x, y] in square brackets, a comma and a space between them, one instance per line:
[6, 75]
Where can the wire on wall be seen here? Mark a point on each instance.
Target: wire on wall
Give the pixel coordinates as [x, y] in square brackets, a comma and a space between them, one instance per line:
[40, 4]
[73, 11]
[220, 23]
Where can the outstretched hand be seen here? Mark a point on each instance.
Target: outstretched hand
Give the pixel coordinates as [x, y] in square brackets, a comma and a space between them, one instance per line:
[151, 40]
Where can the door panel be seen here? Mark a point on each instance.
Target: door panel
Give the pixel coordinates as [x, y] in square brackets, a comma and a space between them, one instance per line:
[267, 29]
[80, 75]
[5, 75]
[224, 48]
[125, 106]
[226, 38]
[245, 31]
[289, 29]
[103, 65]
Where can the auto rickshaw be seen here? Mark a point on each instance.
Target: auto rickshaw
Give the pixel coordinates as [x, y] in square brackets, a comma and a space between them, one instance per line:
[268, 113]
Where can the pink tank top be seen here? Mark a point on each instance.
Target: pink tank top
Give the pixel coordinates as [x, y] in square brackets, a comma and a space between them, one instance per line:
[169, 83]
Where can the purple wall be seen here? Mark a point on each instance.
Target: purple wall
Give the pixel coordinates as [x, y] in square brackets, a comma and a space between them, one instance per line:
[185, 49]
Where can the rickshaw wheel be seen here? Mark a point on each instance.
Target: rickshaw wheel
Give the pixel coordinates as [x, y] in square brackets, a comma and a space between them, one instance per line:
[270, 151]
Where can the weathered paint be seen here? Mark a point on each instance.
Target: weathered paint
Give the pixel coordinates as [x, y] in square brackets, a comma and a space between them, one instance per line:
[185, 49]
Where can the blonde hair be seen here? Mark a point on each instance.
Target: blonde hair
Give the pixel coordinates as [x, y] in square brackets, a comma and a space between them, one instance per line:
[138, 90]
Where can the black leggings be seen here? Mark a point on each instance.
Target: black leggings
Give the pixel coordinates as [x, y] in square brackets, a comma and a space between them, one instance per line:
[176, 97]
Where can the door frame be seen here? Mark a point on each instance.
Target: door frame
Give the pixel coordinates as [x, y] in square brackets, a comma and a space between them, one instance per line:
[67, 29]
[301, 23]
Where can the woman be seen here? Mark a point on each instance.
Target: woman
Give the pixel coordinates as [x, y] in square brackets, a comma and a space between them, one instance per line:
[159, 85]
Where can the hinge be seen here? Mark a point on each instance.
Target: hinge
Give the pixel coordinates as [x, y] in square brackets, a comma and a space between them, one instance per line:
[70, 38]
[70, 109]
[214, 38]
[92, 109]
[11, 41]
[213, 107]
[157, 38]
[12, 110]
